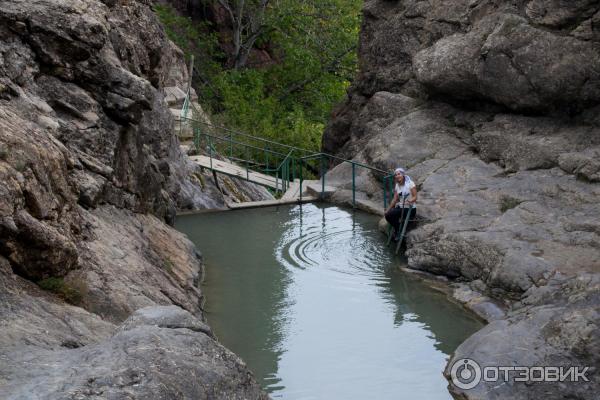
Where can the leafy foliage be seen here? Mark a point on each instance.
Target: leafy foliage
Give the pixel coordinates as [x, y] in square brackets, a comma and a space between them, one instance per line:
[68, 292]
[313, 45]
[193, 38]
[508, 203]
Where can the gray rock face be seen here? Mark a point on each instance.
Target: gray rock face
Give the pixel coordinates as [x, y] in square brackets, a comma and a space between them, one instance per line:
[492, 106]
[556, 326]
[130, 261]
[506, 60]
[83, 123]
[158, 353]
[33, 318]
[90, 170]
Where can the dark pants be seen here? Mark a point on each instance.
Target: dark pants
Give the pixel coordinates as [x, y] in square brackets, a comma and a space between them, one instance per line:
[396, 220]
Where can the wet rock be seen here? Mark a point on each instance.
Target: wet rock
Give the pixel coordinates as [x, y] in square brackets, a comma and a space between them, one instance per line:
[171, 317]
[485, 307]
[559, 327]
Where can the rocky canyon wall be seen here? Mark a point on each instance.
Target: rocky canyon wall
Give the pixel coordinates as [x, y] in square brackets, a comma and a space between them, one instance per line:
[90, 171]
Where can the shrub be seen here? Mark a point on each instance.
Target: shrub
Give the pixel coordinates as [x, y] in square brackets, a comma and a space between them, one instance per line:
[168, 265]
[288, 98]
[71, 293]
[508, 203]
[3, 152]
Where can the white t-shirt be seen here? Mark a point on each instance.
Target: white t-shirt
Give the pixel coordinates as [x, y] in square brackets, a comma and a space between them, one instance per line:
[404, 190]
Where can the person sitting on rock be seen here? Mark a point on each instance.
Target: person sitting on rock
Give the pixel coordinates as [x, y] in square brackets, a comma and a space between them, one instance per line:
[405, 197]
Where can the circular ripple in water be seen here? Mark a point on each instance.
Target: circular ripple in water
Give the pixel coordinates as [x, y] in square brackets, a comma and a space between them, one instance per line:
[328, 239]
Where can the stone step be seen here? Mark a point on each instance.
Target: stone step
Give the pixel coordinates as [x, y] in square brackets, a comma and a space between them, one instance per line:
[174, 96]
[315, 188]
[186, 147]
[293, 191]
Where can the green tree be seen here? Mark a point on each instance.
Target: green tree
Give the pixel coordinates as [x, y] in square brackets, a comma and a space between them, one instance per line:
[313, 44]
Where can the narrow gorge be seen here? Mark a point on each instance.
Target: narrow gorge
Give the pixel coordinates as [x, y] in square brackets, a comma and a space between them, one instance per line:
[492, 106]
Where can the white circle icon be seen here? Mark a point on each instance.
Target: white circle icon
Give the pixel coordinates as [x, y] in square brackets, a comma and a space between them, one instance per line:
[465, 373]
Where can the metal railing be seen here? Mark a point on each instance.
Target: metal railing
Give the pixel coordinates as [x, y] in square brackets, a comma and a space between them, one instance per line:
[252, 156]
[326, 159]
[285, 162]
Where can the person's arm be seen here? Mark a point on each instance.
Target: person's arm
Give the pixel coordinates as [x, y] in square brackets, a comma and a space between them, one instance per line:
[393, 203]
[413, 195]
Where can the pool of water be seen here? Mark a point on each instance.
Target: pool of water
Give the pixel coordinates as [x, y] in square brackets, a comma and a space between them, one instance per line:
[312, 300]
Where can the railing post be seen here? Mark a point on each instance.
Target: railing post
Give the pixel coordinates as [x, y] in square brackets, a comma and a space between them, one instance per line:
[301, 180]
[322, 177]
[283, 175]
[247, 169]
[287, 173]
[210, 152]
[267, 157]
[384, 193]
[353, 185]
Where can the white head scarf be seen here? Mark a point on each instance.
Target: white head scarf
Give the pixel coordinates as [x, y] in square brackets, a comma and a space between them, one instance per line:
[405, 188]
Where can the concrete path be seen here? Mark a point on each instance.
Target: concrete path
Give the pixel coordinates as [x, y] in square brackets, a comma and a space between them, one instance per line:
[270, 203]
[236, 171]
[291, 196]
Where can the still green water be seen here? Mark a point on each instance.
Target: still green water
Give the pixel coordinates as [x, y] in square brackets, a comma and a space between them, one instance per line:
[312, 300]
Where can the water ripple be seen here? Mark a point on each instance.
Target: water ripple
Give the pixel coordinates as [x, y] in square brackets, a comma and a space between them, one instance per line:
[329, 239]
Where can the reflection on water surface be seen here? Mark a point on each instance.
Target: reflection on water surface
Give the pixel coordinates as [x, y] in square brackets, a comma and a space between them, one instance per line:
[314, 303]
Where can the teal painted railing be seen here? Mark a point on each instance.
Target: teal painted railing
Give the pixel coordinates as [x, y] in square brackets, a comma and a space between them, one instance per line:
[325, 159]
[286, 163]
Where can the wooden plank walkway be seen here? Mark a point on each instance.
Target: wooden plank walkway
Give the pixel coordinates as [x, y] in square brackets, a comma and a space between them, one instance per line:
[234, 170]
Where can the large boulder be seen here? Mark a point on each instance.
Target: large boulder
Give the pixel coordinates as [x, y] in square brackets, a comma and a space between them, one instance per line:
[506, 60]
[158, 353]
